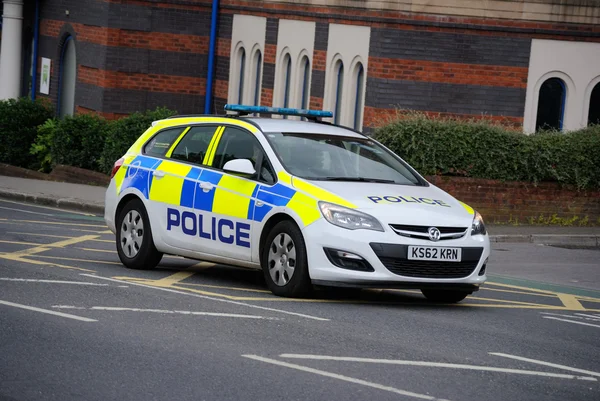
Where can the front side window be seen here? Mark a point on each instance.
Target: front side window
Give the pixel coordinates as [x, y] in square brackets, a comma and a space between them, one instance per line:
[336, 158]
[159, 145]
[193, 146]
[237, 143]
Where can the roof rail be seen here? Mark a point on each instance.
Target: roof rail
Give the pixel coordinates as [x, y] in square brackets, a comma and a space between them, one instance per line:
[192, 115]
[243, 110]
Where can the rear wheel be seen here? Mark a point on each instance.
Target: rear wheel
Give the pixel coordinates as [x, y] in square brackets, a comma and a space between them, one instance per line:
[284, 261]
[135, 244]
[445, 296]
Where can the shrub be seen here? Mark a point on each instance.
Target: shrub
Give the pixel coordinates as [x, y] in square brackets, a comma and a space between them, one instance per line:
[19, 119]
[485, 150]
[123, 133]
[79, 140]
[42, 147]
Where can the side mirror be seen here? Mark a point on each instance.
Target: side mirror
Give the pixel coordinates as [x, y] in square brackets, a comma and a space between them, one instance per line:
[240, 166]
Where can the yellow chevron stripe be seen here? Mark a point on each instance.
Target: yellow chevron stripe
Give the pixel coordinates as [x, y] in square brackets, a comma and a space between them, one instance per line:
[215, 147]
[170, 152]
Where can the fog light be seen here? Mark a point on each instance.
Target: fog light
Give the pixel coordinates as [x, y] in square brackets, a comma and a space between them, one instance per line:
[482, 271]
[347, 260]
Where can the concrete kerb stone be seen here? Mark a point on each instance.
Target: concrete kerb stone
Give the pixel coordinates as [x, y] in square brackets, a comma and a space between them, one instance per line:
[47, 200]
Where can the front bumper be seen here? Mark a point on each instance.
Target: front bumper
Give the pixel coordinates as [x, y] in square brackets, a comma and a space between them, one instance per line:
[385, 252]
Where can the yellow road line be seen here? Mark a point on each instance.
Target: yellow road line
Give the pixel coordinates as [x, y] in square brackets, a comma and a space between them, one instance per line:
[172, 279]
[519, 292]
[570, 301]
[19, 243]
[588, 299]
[77, 260]
[98, 250]
[521, 288]
[227, 288]
[507, 301]
[43, 263]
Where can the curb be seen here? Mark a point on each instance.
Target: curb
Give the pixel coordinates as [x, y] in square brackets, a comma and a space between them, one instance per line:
[549, 239]
[47, 200]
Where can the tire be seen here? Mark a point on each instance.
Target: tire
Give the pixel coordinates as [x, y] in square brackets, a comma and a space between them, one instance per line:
[136, 251]
[284, 262]
[445, 296]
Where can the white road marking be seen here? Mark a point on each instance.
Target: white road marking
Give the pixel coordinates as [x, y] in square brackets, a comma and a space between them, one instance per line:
[571, 321]
[590, 316]
[587, 317]
[207, 297]
[27, 211]
[553, 365]
[435, 365]
[29, 280]
[165, 311]
[49, 312]
[341, 377]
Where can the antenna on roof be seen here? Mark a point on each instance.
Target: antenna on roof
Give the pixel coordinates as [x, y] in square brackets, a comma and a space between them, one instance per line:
[242, 110]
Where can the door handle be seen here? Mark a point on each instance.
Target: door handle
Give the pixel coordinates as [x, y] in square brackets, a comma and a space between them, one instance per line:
[159, 174]
[206, 186]
[259, 203]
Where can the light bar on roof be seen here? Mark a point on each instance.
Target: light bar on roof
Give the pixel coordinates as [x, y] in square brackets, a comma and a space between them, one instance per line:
[284, 111]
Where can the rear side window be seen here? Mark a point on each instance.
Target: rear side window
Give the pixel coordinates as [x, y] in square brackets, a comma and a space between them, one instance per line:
[159, 145]
[193, 146]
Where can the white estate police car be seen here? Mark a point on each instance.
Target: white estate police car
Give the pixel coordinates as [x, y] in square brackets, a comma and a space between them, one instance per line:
[305, 201]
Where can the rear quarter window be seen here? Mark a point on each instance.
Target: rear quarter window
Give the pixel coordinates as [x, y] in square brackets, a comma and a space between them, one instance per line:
[160, 143]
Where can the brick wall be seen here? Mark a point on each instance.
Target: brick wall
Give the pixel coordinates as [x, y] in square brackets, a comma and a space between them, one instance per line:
[501, 201]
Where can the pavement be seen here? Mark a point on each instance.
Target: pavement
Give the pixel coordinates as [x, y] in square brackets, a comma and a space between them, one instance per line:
[90, 199]
[75, 324]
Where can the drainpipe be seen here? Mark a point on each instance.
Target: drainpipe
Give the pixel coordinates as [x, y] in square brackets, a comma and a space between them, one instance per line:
[36, 38]
[10, 54]
[211, 57]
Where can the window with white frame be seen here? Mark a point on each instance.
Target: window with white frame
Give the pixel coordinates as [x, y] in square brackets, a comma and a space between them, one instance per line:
[551, 104]
[256, 75]
[304, 82]
[594, 109]
[246, 59]
[346, 72]
[359, 80]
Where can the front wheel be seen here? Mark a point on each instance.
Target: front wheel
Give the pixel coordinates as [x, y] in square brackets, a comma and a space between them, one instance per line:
[135, 244]
[445, 296]
[284, 261]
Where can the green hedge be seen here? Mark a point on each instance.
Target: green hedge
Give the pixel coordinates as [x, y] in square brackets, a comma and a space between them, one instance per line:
[19, 119]
[122, 133]
[484, 150]
[79, 141]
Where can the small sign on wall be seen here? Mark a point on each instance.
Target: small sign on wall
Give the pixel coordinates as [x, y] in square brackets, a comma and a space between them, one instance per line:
[45, 76]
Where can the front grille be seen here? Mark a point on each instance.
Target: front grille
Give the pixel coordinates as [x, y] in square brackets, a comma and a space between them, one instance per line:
[429, 269]
[394, 258]
[421, 232]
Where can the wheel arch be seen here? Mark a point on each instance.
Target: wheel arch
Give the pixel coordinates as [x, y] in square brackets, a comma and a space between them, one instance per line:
[269, 224]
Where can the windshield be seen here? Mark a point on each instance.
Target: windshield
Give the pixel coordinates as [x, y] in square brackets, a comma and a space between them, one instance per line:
[336, 158]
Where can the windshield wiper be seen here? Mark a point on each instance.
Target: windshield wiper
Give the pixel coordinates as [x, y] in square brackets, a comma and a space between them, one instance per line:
[359, 179]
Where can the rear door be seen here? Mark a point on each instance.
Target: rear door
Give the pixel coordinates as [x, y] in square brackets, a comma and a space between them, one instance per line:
[175, 183]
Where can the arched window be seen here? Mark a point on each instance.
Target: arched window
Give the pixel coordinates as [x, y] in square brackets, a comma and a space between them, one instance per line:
[339, 70]
[305, 90]
[551, 104]
[594, 112]
[242, 58]
[67, 76]
[257, 68]
[287, 62]
[358, 101]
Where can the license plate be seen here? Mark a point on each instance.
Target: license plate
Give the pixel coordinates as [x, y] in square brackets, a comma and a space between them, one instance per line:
[434, 253]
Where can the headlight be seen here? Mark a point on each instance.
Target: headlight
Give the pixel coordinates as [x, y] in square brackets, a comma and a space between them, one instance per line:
[349, 218]
[478, 228]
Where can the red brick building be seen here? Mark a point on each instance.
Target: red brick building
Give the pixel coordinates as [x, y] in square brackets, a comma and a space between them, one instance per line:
[526, 62]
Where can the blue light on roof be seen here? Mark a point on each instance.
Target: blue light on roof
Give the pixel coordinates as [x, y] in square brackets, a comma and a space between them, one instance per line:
[284, 111]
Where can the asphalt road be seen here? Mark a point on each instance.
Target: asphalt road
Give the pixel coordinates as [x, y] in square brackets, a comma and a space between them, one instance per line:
[76, 325]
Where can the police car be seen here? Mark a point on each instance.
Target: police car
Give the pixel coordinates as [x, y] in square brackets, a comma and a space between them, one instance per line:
[309, 203]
